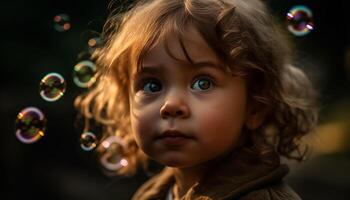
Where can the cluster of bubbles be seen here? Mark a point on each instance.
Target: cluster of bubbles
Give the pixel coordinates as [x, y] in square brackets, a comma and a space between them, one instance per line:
[30, 124]
[111, 150]
[300, 20]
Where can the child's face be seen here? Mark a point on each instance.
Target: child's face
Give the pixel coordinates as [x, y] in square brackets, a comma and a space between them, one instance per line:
[204, 103]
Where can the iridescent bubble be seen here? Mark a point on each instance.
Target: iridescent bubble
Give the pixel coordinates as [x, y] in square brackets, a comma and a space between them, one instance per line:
[62, 22]
[94, 43]
[83, 73]
[30, 125]
[112, 149]
[300, 20]
[88, 141]
[52, 87]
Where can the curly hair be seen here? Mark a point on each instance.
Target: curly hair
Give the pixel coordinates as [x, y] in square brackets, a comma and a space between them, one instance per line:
[245, 37]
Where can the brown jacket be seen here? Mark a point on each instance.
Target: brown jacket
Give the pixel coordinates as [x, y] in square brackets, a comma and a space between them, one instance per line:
[242, 175]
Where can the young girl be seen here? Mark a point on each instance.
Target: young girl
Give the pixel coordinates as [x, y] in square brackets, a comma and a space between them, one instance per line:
[206, 88]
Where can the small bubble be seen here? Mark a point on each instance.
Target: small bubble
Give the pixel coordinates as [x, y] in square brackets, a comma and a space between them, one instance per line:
[52, 87]
[62, 22]
[88, 141]
[83, 73]
[112, 149]
[300, 20]
[30, 125]
[94, 43]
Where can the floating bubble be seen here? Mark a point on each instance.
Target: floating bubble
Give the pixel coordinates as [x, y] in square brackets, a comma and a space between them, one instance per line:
[83, 73]
[52, 87]
[62, 22]
[30, 125]
[88, 141]
[94, 43]
[300, 20]
[113, 153]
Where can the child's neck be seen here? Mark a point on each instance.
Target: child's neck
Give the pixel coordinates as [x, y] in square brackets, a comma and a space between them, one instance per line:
[185, 178]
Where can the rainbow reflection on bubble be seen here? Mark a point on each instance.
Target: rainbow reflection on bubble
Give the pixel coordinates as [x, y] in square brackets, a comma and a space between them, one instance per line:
[88, 141]
[300, 20]
[52, 87]
[30, 125]
[62, 22]
[83, 73]
[113, 153]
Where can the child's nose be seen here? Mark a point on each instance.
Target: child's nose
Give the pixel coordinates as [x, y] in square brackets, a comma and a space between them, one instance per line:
[174, 108]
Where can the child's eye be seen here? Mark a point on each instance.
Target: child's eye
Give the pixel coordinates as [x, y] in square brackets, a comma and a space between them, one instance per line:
[202, 83]
[151, 86]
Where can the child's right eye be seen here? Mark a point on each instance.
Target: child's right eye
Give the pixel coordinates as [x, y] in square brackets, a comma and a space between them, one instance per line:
[150, 86]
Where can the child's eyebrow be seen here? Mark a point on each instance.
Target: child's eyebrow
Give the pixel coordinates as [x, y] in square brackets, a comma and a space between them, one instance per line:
[158, 69]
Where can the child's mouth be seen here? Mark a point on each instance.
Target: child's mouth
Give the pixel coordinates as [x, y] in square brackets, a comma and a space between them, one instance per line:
[173, 137]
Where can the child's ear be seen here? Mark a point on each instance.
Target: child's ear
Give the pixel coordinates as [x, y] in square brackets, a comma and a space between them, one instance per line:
[255, 118]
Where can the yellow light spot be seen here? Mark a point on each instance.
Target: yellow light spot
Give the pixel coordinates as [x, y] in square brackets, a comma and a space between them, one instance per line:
[20, 116]
[329, 138]
[41, 133]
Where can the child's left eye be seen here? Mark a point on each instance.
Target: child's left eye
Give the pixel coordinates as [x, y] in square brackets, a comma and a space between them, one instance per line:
[202, 83]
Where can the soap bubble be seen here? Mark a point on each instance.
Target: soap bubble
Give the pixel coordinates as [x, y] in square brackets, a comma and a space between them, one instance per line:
[112, 149]
[52, 87]
[94, 43]
[62, 22]
[83, 73]
[300, 20]
[30, 125]
[88, 141]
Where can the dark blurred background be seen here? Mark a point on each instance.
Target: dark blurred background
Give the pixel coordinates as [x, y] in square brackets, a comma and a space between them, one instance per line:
[56, 167]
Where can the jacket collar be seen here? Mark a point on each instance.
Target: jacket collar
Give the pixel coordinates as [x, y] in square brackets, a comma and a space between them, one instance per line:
[240, 172]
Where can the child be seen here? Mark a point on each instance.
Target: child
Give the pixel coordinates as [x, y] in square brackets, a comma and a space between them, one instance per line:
[206, 88]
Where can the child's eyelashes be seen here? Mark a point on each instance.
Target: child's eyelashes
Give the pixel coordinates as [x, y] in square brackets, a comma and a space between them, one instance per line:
[153, 85]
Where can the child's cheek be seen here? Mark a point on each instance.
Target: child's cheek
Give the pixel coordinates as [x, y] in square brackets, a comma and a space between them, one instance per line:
[220, 124]
[210, 121]
[143, 125]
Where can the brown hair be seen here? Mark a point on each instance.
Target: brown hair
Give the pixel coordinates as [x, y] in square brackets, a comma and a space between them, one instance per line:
[241, 32]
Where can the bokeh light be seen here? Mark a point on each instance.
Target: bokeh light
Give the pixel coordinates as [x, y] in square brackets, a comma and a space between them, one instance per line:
[83, 73]
[112, 149]
[300, 20]
[62, 22]
[52, 87]
[94, 43]
[30, 125]
[88, 141]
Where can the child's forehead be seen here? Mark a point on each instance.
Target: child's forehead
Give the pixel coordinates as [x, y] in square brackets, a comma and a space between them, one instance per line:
[189, 42]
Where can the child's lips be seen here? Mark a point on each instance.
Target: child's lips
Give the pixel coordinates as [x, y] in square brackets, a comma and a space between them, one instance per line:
[173, 134]
[174, 138]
